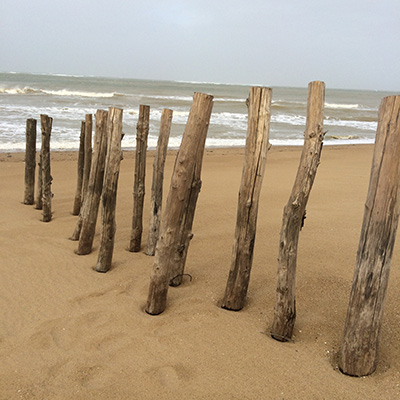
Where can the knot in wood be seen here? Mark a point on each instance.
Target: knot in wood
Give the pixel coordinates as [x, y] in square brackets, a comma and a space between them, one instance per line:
[296, 203]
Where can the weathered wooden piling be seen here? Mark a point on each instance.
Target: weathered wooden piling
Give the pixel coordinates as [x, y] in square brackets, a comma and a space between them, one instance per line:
[142, 132]
[87, 162]
[178, 199]
[39, 185]
[30, 161]
[359, 347]
[158, 180]
[81, 157]
[259, 104]
[86, 224]
[294, 214]
[110, 185]
[46, 124]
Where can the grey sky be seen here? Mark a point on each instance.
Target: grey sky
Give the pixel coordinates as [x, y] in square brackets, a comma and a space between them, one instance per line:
[346, 43]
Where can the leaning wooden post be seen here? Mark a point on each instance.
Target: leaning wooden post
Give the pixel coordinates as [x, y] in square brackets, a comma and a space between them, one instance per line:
[358, 352]
[81, 158]
[249, 194]
[294, 214]
[86, 224]
[158, 179]
[186, 234]
[177, 201]
[88, 155]
[46, 124]
[30, 161]
[110, 185]
[142, 132]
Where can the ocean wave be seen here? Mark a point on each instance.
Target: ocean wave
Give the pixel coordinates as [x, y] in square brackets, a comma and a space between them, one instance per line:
[363, 125]
[61, 92]
[345, 106]
[229, 100]
[174, 98]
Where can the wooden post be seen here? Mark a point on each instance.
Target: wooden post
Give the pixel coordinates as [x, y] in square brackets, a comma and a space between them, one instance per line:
[86, 224]
[158, 179]
[185, 233]
[358, 353]
[110, 185]
[30, 161]
[46, 124]
[249, 194]
[142, 131]
[294, 214]
[88, 155]
[39, 185]
[178, 201]
[81, 158]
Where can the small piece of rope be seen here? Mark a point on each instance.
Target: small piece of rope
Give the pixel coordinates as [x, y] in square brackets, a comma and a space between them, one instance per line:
[190, 276]
[278, 337]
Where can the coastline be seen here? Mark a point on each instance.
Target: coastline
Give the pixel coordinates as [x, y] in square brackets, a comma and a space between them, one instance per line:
[69, 332]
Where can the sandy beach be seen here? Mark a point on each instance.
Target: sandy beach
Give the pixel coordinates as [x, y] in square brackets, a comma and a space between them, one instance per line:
[68, 332]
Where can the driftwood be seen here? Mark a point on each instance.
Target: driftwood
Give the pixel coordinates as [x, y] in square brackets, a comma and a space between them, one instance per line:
[110, 185]
[178, 199]
[30, 161]
[358, 353]
[86, 224]
[249, 193]
[46, 124]
[81, 157]
[142, 131]
[158, 179]
[87, 162]
[294, 214]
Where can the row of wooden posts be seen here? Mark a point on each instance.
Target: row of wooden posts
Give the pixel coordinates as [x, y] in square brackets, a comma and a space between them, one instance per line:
[171, 232]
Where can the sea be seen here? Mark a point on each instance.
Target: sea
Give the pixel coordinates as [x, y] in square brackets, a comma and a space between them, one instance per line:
[350, 115]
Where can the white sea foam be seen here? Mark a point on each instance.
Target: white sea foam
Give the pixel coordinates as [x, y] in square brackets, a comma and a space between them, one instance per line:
[346, 106]
[65, 92]
[61, 92]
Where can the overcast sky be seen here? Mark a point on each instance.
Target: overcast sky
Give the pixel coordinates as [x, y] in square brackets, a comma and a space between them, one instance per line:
[346, 43]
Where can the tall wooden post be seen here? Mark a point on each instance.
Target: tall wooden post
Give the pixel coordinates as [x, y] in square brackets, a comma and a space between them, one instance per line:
[358, 353]
[249, 194]
[81, 158]
[142, 132]
[39, 185]
[46, 124]
[178, 201]
[110, 185]
[158, 180]
[30, 161]
[294, 214]
[88, 155]
[86, 224]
